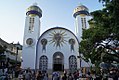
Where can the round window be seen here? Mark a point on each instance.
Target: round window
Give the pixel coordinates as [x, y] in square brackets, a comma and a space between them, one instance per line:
[29, 41]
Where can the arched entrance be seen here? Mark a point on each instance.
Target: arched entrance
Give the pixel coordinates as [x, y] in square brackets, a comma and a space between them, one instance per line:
[58, 61]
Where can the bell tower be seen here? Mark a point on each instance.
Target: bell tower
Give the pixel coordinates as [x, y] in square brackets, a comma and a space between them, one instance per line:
[31, 35]
[81, 16]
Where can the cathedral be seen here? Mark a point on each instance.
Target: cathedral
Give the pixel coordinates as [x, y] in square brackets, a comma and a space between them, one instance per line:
[57, 48]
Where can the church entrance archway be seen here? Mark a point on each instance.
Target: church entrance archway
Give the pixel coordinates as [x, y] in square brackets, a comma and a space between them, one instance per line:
[58, 61]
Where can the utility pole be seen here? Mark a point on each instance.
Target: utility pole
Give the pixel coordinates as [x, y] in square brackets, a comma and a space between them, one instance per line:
[16, 56]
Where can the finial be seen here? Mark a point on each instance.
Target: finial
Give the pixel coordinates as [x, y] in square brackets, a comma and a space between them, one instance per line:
[80, 4]
[35, 4]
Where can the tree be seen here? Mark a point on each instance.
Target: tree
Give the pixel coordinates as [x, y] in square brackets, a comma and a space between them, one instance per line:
[2, 49]
[101, 41]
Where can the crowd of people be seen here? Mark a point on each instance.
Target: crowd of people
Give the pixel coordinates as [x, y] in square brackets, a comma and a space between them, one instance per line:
[22, 74]
[27, 74]
[112, 74]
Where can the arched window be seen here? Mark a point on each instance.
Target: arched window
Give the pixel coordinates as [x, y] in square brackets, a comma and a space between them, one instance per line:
[72, 63]
[43, 65]
[31, 24]
[83, 20]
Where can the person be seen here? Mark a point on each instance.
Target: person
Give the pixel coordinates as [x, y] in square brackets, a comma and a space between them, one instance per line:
[64, 77]
[17, 71]
[39, 76]
[55, 76]
[28, 75]
[75, 75]
[93, 74]
[88, 76]
[20, 77]
[33, 75]
[114, 75]
[70, 77]
[58, 76]
[45, 75]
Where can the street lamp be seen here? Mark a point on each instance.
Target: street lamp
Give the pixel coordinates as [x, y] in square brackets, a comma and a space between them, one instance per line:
[16, 56]
[7, 63]
[80, 59]
[2, 62]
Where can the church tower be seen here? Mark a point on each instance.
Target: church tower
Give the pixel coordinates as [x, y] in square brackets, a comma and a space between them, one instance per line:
[81, 16]
[31, 35]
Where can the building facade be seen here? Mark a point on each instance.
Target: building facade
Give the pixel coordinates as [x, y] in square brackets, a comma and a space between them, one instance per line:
[56, 49]
[10, 54]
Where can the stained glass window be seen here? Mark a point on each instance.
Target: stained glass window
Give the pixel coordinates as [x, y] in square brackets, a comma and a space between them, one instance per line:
[43, 63]
[72, 63]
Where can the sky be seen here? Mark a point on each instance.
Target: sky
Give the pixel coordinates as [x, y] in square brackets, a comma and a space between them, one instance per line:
[55, 13]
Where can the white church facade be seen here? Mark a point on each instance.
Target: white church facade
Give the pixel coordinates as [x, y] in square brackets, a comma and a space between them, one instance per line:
[57, 48]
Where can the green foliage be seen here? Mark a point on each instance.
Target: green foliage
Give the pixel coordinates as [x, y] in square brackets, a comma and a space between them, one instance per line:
[2, 49]
[103, 26]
